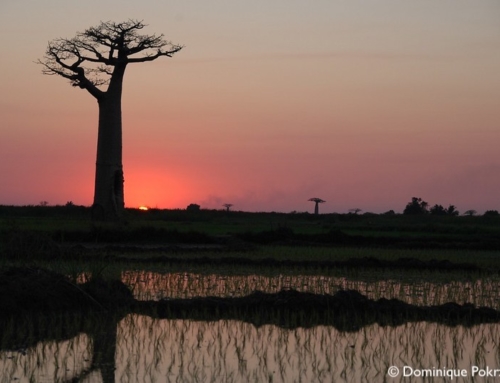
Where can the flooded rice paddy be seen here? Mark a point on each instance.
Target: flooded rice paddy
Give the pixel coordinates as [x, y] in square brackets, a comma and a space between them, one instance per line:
[149, 350]
[426, 289]
[139, 348]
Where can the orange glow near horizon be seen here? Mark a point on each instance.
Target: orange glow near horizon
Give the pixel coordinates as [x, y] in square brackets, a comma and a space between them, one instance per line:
[362, 104]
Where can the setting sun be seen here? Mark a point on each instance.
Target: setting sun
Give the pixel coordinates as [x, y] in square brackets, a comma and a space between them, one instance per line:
[143, 208]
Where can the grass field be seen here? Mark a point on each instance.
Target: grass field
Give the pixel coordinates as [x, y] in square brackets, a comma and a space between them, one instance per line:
[44, 233]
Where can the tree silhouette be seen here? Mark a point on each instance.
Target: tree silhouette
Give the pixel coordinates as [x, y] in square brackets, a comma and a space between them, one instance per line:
[440, 210]
[437, 210]
[98, 58]
[227, 206]
[317, 201]
[470, 212]
[452, 210]
[417, 206]
[491, 213]
[193, 207]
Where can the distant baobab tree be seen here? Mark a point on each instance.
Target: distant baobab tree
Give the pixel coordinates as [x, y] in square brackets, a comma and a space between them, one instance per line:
[95, 59]
[470, 212]
[227, 206]
[355, 211]
[317, 201]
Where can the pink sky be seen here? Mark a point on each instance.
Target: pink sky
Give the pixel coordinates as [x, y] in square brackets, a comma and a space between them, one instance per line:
[363, 104]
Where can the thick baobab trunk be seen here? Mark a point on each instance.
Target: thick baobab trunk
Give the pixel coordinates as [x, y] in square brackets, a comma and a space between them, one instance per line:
[93, 59]
[108, 195]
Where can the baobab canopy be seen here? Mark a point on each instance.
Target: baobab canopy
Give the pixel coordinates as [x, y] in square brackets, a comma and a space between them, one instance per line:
[94, 59]
[317, 201]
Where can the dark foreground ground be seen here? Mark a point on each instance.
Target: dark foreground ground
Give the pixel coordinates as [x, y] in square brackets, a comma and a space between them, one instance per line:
[72, 224]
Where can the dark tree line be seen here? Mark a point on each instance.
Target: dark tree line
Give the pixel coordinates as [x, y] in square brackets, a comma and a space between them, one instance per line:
[417, 206]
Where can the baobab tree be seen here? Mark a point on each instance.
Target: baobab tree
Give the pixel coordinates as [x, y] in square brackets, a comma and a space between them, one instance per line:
[317, 202]
[95, 60]
[227, 206]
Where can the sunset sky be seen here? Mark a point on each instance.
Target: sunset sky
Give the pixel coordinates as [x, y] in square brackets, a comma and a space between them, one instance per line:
[363, 103]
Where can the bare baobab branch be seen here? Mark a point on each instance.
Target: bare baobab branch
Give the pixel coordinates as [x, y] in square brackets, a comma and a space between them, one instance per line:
[90, 59]
[96, 60]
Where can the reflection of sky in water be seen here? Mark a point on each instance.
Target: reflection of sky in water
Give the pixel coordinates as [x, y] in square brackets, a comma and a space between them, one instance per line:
[150, 350]
[47, 361]
[231, 351]
[148, 285]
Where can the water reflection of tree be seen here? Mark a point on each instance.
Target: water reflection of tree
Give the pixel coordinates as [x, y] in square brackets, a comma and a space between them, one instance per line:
[346, 312]
[22, 334]
[148, 349]
[104, 348]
